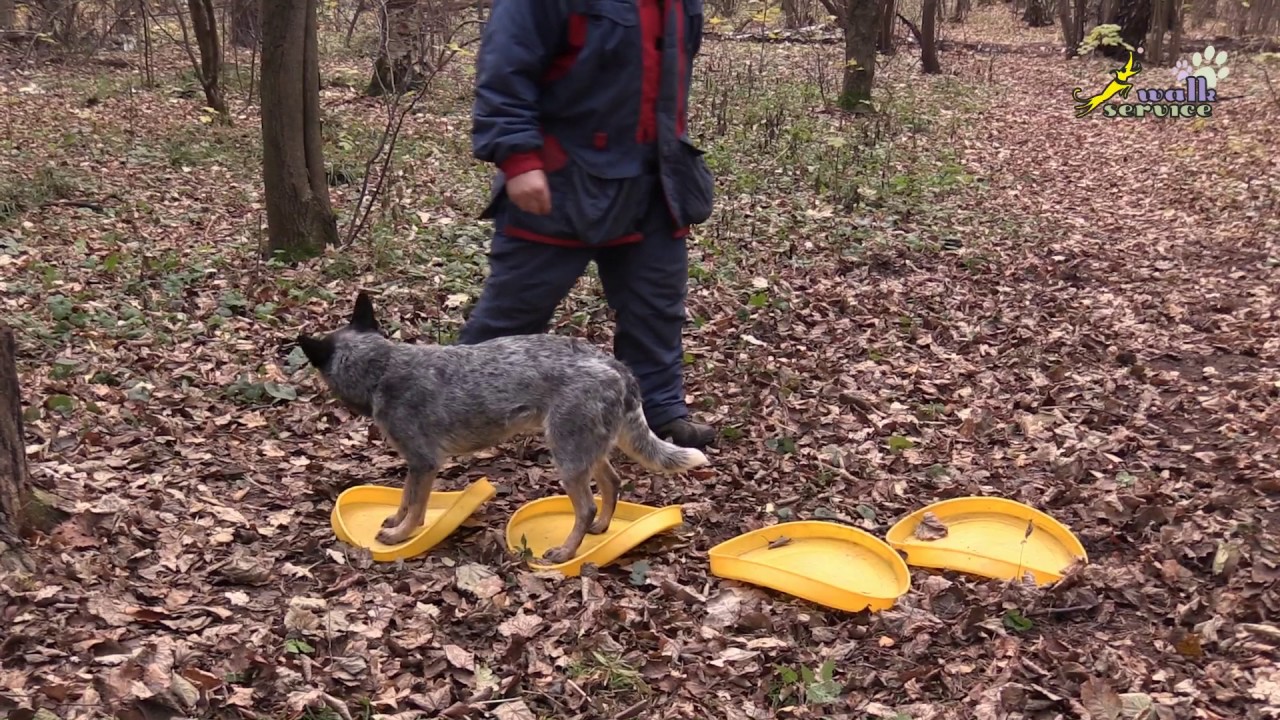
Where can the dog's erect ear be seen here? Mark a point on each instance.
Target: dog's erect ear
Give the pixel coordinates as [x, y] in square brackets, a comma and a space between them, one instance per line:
[362, 317]
[319, 351]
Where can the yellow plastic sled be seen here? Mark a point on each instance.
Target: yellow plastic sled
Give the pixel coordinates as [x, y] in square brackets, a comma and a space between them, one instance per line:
[990, 537]
[543, 524]
[827, 563]
[359, 512]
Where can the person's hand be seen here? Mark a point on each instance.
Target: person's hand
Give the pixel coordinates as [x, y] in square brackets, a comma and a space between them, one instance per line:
[530, 193]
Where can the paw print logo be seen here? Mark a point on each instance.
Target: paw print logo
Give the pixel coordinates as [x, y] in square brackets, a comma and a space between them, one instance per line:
[1210, 65]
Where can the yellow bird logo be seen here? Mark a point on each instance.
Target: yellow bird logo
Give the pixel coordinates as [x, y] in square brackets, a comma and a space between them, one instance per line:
[1119, 86]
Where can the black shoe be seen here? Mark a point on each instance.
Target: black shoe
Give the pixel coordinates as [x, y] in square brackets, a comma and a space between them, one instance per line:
[686, 433]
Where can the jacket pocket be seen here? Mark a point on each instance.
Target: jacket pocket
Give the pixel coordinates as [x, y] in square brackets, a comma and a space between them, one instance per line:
[693, 183]
[611, 31]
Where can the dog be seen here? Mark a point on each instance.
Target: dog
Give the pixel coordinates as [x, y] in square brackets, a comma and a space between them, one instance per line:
[434, 401]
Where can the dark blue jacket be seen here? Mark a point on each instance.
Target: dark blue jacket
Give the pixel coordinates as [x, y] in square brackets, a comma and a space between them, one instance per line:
[568, 86]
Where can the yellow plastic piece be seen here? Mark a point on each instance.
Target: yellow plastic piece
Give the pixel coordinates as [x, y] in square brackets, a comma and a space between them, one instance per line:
[827, 563]
[359, 511]
[545, 523]
[988, 536]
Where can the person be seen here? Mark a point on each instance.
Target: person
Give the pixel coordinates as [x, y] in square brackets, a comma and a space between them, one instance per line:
[582, 106]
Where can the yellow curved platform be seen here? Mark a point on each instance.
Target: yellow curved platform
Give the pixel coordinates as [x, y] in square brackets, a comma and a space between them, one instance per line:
[826, 563]
[543, 524]
[990, 537]
[359, 511]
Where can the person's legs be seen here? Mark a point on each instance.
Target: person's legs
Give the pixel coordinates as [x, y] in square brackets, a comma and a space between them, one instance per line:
[646, 284]
[527, 280]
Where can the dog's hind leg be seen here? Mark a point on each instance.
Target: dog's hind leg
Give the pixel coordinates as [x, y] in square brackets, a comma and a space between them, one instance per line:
[577, 484]
[580, 426]
[609, 483]
[413, 504]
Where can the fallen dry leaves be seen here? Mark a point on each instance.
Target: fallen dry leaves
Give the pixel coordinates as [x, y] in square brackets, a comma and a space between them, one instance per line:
[1090, 327]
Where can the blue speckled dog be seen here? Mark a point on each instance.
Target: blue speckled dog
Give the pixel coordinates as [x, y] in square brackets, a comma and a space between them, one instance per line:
[433, 401]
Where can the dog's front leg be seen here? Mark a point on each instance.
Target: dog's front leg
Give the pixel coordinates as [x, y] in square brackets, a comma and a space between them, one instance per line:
[413, 505]
[578, 486]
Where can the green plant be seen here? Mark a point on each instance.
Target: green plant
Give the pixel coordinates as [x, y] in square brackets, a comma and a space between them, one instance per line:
[809, 687]
[1108, 34]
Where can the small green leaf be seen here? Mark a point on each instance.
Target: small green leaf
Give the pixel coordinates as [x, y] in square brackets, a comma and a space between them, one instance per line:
[279, 391]
[298, 646]
[759, 300]
[639, 571]
[64, 368]
[61, 403]
[867, 512]
[783, 445]
[898, 443]
[60, 307]
[1017, 622]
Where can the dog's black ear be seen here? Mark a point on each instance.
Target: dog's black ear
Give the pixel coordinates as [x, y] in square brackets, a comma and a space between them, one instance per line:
[362, 317]
[319, 351]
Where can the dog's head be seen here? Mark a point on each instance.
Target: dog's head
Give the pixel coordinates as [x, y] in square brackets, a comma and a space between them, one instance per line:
[350, 359]
[320, 351]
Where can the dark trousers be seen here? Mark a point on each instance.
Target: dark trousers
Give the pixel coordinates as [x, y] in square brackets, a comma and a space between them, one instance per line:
[645, 284]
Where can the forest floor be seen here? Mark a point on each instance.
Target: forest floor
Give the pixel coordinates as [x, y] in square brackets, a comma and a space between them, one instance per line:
[973, 292]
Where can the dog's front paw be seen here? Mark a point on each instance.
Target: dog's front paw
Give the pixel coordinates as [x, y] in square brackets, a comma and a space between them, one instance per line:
[557, 555]
[393, 521]
[600, 526]
[394, 535]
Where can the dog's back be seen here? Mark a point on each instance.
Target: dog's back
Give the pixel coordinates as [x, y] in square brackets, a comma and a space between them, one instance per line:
[480, 395]
[463, 398]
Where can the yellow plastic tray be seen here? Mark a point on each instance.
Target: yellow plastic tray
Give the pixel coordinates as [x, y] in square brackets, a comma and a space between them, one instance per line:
[545, 523]
[359, 511]
[988, 536]
[827, 563]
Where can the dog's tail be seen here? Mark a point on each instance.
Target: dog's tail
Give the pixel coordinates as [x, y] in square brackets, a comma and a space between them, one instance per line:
[646, 448]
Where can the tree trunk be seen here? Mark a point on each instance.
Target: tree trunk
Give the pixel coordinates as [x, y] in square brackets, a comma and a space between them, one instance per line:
[1037, 14]
[836, 9]
[1072, 22]
[929, 38]
[796, 14]
[1154, 46]
[300, 221]
[862, 24]
[244, 23]
[8, 14]
[1134, 19]
[884, 42]
[15, 496]
[1106, 12]
[205, 25]
[395, 68]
